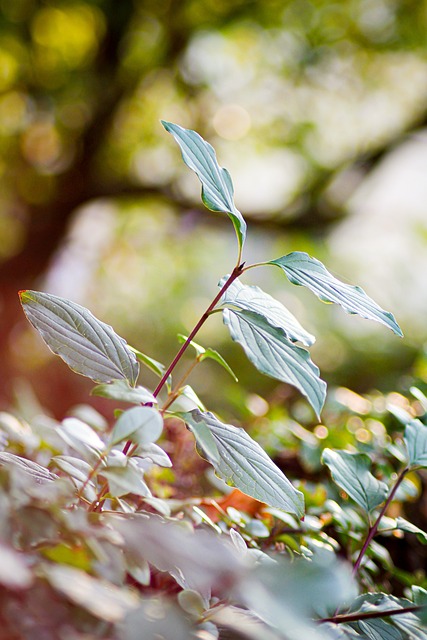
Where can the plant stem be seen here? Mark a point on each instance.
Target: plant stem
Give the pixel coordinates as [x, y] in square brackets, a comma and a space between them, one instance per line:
[373, 530]
[176, 390]
[354, 617]
[237, 271]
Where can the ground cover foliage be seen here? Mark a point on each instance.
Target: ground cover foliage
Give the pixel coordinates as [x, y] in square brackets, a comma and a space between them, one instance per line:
[97, 544]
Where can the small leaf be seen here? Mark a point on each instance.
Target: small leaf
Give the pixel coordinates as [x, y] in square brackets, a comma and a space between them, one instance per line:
[142, 425]
[101, 598]
[249, 298]
[154, 365]
[302, 269]
[241, 462]
[87, 345]
[217, 187]
[272, 353]
[416, 443]
[204, 354]
[154, 453]
[73, 467]
[124, 480]
[187, 400]
[214, 355]
[121, 391]
[351, 472]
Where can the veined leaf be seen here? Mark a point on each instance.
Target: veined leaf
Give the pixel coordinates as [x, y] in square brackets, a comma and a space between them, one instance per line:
[377, 629]
[269, 349]
[124, 480]
[40, 474]
[302, 269]
[87, 345]
[416, 443]
[142, 425]
[351, 472]
[121, 391]
[217, 187]
[249, 298]
[241, 462]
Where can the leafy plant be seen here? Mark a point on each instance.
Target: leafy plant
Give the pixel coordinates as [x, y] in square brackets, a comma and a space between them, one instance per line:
[118, 541]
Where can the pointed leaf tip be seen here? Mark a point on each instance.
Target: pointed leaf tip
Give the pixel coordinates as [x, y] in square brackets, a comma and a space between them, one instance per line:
[217, 186]
[301, 269]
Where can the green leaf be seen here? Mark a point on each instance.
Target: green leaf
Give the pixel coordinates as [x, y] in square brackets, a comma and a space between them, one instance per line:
[302, 269]
[351, 472]
[249, 298]
[416, 443]
[205, 354]
[121, 391]
[272, 353]
[154, 453]
[217, 187]
[241, 462]
[154, 365]
[142, 425]
[87, 345]
[405, 525]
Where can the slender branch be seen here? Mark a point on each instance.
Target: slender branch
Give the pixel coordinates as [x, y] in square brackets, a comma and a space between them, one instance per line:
[176, 390]
[237, 271]
[373, 530]
[354, 617]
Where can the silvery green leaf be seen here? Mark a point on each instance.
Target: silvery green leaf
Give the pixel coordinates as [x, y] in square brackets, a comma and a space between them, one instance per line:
[302, 269]
[269, 349]
[378, 629]
[78, 434]
[416, 443]
[121, 391]
[250, 298]
[73, 467]
[351, 472]
[154, 453]
[405, 525]
[241, 462]
[217, 187]
[87, 345]
[40, 474]
[142, 425]
[124, 480]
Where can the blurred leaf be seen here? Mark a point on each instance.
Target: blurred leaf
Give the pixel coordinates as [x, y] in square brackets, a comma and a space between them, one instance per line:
[142, 425]
[241, 462]
[87, 345]
[217, 187]
[204, 354]
[14, 572]
[351, 472]
[191, 602]
[405, 525]
[269, 349]
[38, 473]
[80, 436]
[101, 598]
[302, 269]
[249, 298]
[124, 480]
[73, 467]
[121, 390]
[416, 443]
[156, 618]
[186, 401]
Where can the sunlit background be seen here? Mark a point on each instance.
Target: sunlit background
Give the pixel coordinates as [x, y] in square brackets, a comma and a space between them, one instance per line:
[318, 110]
